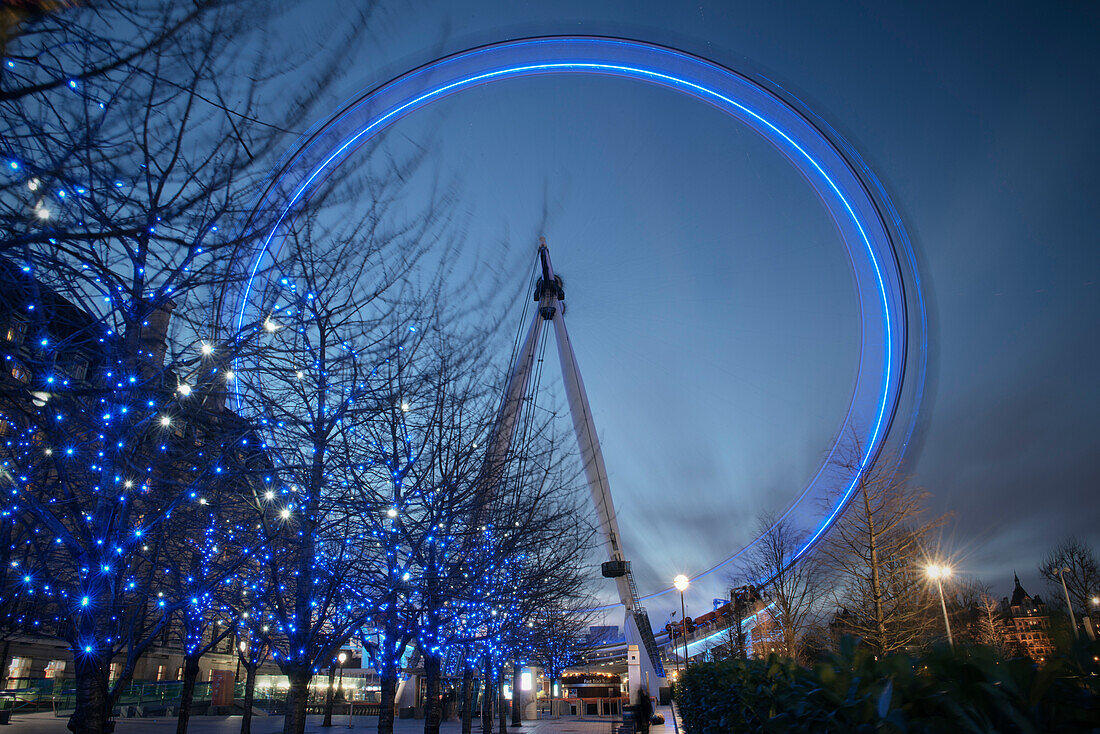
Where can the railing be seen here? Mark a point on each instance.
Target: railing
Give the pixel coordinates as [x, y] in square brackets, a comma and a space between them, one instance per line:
[138, 698]
[161, 698]
[641, 621]
[29, 694]
[582, 708]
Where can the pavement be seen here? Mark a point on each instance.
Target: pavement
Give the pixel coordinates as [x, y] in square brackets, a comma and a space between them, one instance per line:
[47, 723]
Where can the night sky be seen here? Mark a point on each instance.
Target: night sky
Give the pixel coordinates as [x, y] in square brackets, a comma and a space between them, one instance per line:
[709, 297]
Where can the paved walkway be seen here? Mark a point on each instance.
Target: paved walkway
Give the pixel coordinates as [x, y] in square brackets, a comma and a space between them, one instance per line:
[46, 723]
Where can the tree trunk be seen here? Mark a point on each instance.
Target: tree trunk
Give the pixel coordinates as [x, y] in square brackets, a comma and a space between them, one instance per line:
[385, 708]
[517, 703]
[330, 694]
[93, 701]
[789, 636]
[5, 666]
[502, 706]
[487, 699]
[297, 696]
[467, 700]
[187, 692]
[876, 583]
[249, 693]
[433, 709]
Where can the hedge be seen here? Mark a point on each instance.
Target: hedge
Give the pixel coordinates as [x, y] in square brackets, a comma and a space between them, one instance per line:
[969, 690]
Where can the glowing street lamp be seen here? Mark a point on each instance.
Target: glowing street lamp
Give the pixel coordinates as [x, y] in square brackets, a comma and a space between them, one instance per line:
[938, 574]
[681, 583]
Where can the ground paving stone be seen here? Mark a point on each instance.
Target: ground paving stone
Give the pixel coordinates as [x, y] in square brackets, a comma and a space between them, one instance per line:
[46, 723]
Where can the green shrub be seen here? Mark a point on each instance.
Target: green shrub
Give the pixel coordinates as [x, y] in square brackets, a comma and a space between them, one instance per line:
[968, 690]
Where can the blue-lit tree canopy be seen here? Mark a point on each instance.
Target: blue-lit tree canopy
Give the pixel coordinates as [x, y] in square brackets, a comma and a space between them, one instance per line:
[252, 410]
[282, 484]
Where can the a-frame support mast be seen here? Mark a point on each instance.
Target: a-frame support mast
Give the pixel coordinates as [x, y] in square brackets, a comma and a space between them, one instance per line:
[550, 294]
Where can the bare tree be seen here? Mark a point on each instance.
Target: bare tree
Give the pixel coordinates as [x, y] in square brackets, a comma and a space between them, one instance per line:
[251, 653]
[126, 168]
[795, 589]
[308, 386]
[1082, 579]
[113, 471]
[203, 555]
[415, 486]
[538, 532]
[121, 34]
[876, 553]
[980, 615]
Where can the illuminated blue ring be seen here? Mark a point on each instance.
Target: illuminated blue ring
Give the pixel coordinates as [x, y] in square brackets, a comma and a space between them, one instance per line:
[846, 195]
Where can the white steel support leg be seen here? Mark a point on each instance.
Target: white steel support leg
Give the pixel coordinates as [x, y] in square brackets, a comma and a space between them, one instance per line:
[549, 294]
[595, 470]
[596, 473]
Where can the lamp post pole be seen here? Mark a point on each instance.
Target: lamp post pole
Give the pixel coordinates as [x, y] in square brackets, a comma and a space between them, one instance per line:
[681, 582]
[237, 674]
[684, 627]
[1072, 619]
[946, 621]
[938, 574]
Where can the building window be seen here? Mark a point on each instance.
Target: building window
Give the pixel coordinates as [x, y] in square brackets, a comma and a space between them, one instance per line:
[17, 329]
[76, 368]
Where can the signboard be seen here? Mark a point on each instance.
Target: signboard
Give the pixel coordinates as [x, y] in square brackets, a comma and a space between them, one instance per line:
[221, 688]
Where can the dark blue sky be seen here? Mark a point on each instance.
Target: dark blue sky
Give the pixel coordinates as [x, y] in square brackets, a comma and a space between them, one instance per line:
[709, 298]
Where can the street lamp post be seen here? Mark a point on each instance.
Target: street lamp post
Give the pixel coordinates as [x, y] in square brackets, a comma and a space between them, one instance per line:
[681, 582]
[237, 675]
[340, 682]
[1072, 619]
[938, 574]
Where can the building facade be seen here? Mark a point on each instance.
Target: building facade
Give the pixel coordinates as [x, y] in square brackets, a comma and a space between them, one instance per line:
[1025, 625]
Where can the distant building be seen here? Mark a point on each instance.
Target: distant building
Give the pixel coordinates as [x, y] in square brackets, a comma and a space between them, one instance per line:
[1025, 625]
[759, 633]
[766, 637]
